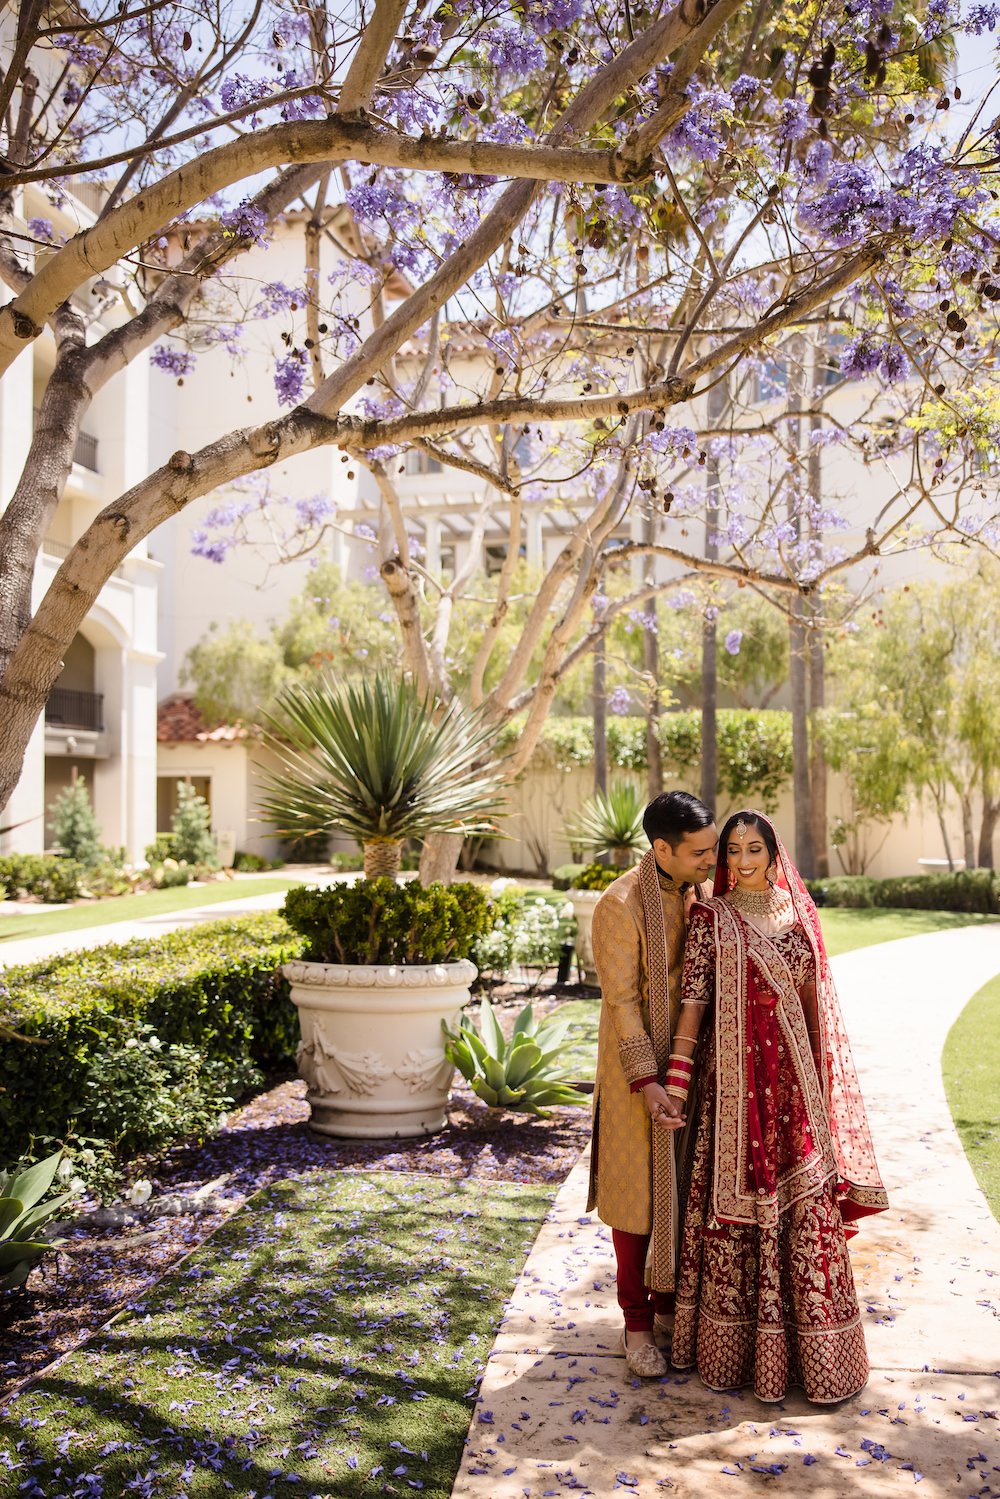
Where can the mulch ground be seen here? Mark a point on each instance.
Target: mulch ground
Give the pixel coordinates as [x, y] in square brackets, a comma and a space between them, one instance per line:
[101, 1270]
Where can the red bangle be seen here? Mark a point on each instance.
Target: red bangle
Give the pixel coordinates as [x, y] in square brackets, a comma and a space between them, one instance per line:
[686, 1064]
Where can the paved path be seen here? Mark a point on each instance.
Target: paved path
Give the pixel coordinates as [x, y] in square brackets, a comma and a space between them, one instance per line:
[33, 949]
[559, 1414]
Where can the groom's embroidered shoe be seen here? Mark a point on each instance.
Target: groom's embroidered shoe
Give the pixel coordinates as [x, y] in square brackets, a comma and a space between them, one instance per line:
[646, 1360]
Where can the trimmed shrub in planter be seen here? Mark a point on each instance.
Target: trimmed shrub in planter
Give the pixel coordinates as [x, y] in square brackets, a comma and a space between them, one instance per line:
[215, 989]
[378, 921]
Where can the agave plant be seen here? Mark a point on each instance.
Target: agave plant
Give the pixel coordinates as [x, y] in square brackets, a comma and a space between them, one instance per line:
[381, 761]
[522, 1074]
[24, 1209]
[611, 823]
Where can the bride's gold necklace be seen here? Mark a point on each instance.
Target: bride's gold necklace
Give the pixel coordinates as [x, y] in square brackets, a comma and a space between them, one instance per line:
[768, 902]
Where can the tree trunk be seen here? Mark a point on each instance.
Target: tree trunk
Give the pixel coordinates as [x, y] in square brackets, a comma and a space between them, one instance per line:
[709, 715]
[600, 703]
[383, 856]
[801, 790]
[939, 805]
[987, 827]
[718, 400]
[968, 840]
[651, 667]
[798, 664]
[439, 858]
[818, 778]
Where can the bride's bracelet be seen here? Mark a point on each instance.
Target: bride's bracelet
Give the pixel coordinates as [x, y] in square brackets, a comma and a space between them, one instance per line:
[678, 1079]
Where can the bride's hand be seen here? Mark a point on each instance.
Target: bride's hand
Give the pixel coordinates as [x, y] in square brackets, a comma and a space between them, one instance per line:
[663, 1110]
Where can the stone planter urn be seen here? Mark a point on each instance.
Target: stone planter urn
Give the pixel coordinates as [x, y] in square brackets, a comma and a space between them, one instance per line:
[583, 903]
[372, 1052]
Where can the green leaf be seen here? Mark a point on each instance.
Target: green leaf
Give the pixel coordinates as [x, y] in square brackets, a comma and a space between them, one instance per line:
[36, 1216]
[13, 1253]
[524, 1025]
[490, 1031]
[32, 1184]
[11, 1208]
[522, 1062]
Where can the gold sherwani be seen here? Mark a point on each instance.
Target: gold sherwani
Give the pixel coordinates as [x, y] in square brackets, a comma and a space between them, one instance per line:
[621, 1172]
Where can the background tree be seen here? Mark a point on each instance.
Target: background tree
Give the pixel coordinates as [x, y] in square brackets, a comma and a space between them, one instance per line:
[922, 673]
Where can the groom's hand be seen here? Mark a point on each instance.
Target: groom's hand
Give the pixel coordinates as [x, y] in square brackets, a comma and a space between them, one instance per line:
[663, 1110]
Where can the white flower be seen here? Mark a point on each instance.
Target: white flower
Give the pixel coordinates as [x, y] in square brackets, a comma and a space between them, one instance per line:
[499, 886]
[154, 1043]
[76, 1187]
[87, 1157]
[139, 1192]
[131, 1043]
[65, 1169]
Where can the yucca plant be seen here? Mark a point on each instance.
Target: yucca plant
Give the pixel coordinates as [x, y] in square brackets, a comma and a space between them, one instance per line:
[24, 1209]
[522, 1074]
[611, 823]
[381, 761]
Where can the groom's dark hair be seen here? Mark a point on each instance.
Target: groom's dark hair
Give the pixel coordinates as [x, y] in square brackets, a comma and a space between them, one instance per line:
[672, 814]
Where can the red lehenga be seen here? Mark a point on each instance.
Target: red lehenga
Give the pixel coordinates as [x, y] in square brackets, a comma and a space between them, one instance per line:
[782, 1161]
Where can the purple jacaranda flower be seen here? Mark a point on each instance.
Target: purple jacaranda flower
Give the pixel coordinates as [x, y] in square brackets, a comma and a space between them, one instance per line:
[511, 50]
[744, 90]
[866, 355]
[239, 91]
[818, 159]
[545, 16]
[733, 642]
[40, 229]
[795, 122]
[701, 132]
[314, 510]
[246, 220]
[275, 296]
[306, 106]
[289, 377]
[619, 700]
[177, 362]
[982, 18]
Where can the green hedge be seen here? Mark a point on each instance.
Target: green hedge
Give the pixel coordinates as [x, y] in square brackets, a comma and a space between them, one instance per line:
[50, 877]
[213, 988]
[974, 890]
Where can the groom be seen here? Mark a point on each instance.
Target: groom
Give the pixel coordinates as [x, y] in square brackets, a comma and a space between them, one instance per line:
[640, 924]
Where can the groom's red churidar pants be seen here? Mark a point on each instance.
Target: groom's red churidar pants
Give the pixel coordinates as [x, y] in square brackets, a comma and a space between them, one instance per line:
[638, 1303]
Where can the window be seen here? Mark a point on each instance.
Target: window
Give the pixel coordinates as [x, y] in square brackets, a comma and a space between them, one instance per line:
[419, 462]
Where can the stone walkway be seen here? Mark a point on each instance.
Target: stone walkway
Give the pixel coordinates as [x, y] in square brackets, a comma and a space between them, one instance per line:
[17, 950]
[559, 1414]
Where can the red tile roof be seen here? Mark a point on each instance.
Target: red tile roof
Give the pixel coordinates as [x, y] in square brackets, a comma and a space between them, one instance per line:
[178, 721]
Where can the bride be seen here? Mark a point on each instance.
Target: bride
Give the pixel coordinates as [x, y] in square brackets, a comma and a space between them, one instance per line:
[782, 1163]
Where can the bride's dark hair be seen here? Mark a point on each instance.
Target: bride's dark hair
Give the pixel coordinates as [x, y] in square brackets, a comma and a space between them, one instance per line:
[752, 821]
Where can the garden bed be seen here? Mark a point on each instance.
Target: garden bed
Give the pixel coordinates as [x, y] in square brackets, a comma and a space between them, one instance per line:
[101, 1269]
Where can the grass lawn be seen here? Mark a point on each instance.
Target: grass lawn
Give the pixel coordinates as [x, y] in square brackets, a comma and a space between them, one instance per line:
[131, 907]
[327, 1340]
[970, 1064]
[846, 930]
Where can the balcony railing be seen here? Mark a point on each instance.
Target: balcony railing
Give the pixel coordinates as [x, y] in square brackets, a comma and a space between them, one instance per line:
[69, 709]
[85, 452]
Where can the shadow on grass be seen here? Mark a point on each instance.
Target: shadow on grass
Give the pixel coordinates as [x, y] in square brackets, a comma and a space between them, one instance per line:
[330, 1334]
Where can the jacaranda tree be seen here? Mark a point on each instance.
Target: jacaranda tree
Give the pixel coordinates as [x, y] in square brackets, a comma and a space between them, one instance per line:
[624, 207]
